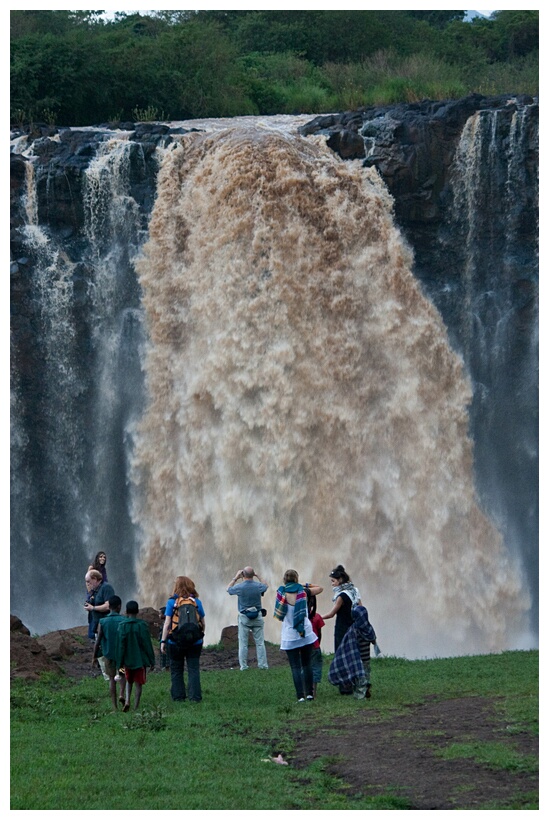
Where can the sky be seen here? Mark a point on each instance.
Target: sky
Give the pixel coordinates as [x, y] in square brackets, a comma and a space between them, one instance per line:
[109, 14]
[145, 6]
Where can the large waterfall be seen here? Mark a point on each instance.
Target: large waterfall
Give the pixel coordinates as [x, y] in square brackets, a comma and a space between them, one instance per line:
[255, 375]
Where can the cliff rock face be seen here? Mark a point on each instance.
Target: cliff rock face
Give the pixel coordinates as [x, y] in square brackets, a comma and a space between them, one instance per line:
[463, 175]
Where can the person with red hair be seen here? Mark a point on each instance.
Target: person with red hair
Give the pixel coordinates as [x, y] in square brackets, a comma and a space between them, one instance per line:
[184, 593]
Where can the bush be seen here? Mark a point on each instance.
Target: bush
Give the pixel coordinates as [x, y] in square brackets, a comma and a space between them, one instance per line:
[387, 77]
[309, 99]
[148, 114]
[518, 77]
[285, 83]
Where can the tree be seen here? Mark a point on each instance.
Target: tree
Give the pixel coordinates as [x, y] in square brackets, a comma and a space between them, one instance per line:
[437, 19]
[513, 34]
[23, 23]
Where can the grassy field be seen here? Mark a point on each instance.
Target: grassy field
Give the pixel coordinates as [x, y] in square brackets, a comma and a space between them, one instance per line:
[69, 751]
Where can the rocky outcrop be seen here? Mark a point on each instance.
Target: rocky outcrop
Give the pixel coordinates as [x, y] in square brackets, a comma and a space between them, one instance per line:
[412, 146]
[229, 637]
[16, 625]
[63, 651]
[29, 659]
[68, 652]
[59, 645]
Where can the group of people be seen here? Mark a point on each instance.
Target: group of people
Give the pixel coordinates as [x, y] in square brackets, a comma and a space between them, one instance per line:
[123, 646]
[301, 631]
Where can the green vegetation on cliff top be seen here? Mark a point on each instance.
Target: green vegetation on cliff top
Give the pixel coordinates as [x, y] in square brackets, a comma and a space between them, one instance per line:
[76, 68]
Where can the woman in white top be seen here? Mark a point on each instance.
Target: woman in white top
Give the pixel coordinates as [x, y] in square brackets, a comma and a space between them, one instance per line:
[297, 637]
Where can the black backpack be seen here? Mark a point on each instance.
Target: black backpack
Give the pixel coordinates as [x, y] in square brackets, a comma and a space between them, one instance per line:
[186, 629]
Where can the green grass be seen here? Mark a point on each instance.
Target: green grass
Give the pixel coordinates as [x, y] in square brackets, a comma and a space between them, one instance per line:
[492, 754]
[68, 750]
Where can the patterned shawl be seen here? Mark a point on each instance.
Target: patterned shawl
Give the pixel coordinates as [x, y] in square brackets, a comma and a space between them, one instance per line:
[350, 590]
[300, 606]
[347, 664]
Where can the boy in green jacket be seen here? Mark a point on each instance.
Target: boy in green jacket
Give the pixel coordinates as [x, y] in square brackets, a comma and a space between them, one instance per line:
[105, 649]
[135, 652]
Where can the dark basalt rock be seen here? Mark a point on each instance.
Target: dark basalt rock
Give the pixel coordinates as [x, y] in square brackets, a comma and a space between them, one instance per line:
[411, 145]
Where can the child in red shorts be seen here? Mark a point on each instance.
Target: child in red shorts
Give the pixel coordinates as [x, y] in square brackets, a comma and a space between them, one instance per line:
[135, 652]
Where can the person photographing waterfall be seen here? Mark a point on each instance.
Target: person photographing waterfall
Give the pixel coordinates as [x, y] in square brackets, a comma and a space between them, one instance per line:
[250, 615]
[100, 564]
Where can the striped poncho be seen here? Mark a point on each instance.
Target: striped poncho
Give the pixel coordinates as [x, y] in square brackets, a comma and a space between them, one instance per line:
[300, 606]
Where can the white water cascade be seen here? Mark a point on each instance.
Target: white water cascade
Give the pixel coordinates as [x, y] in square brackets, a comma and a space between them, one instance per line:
[494, 244]
[113, 228]
[69, 466]
[304, 408]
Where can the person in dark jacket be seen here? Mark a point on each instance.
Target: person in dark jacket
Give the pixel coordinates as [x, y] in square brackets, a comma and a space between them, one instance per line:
[97, 602]
[100, 564]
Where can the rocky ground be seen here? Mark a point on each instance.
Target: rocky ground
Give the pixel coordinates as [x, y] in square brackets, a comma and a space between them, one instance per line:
[68, 651]
[369, 755]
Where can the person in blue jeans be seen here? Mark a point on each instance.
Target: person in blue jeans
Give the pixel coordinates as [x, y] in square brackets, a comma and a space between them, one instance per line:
[184, 589]
[250, 616]
[297, 636]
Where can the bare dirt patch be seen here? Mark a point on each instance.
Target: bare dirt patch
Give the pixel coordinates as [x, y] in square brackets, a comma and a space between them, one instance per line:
[399, 755]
